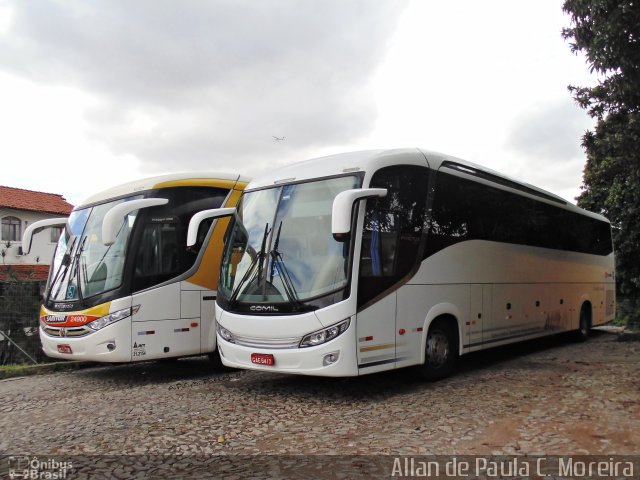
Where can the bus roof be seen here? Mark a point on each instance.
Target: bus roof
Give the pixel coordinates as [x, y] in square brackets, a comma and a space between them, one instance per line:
[369, 161]
[210, 179]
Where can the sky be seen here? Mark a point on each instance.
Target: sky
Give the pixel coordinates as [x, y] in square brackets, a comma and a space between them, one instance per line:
[93, 94]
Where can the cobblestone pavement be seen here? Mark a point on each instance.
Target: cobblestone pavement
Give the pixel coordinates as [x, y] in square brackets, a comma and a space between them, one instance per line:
[549, 397]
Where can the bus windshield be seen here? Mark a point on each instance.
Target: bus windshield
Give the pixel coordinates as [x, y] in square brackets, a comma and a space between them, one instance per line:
[83, 266]
[280, 247]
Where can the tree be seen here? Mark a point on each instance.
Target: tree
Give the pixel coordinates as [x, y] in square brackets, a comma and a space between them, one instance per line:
[608, 33]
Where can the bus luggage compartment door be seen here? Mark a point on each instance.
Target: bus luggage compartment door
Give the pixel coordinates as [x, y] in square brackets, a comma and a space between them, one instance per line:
[165, 338]
[478, 296]
[157, 329]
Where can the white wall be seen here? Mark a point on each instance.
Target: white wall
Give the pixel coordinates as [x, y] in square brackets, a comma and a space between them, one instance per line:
[41, 249]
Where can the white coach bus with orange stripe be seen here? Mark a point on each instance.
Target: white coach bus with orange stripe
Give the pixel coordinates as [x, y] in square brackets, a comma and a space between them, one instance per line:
[123, 284]
[369, 261]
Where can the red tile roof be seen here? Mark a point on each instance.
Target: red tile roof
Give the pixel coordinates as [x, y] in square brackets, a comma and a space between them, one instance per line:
[20, 199]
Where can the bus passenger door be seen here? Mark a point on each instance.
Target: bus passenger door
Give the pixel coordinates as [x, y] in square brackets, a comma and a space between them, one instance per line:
[392, 231]
[376, 327]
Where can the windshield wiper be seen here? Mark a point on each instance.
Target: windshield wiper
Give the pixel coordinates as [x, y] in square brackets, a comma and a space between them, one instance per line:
[276, 259]
[62, 271]
[257, 261]
[78, 265]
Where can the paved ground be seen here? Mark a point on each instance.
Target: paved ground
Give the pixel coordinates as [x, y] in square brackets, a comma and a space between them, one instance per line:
[553, 397]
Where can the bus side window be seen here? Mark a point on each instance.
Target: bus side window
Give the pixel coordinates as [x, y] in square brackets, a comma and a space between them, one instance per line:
[467, 210]
[157, 256]
[161, 252]
[191, 252]
[380, 244]
[393, 228]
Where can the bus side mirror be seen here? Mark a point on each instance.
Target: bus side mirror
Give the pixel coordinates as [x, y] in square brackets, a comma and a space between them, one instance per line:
[343, 205]
[112, 221]
[36, 227]
[196, 220]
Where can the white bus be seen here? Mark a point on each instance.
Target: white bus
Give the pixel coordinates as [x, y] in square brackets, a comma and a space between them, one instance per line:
[369, 261]
[123, 284]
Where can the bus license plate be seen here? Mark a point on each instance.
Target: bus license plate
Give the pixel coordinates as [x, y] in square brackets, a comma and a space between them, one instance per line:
[64, 348]
[263, 359]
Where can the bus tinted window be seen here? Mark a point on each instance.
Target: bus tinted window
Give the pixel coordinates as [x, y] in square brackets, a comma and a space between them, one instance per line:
[467, 210]
[161, 252]
[393, 227]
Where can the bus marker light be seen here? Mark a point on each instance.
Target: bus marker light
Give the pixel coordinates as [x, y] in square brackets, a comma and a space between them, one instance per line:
[263, 359]
[402, 331]
[64, 348]
[194, 324]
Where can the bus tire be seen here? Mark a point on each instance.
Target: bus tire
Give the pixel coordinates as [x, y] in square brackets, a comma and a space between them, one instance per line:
[167, 360]
[584, 327]
[214, 358]
[441, 350]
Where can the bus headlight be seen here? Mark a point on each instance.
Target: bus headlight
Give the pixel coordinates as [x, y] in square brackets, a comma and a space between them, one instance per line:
[323, 336]
[226, 334]
[113, 318]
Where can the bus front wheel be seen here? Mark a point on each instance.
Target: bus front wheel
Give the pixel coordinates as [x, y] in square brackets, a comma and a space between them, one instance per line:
[214, 358]
[441, 351]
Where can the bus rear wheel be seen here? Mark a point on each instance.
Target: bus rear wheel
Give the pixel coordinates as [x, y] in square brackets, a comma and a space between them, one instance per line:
[441, 351]
[584, 327]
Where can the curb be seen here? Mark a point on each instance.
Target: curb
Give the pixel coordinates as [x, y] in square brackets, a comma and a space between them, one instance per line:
[629, 336]
[609, 328]
[44, 368]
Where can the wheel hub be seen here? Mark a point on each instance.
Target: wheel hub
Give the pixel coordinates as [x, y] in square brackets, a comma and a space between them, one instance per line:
[437, 349]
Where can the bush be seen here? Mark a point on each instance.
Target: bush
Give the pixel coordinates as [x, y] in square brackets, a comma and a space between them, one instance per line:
[628, 312]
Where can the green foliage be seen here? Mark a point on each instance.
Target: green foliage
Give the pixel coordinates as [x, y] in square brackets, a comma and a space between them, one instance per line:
[608, 33]
[627, 313]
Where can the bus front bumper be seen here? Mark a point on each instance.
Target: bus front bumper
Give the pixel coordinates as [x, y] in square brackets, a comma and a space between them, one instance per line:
[302, 361]
[111, 344]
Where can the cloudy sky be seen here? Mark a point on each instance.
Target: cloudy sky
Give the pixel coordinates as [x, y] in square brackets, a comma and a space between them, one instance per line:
[96, 93]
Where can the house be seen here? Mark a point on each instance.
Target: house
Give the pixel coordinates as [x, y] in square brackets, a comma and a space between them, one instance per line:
[18, 209]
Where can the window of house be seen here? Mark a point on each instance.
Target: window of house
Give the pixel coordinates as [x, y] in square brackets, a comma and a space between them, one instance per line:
[55, 234]
[11, 230]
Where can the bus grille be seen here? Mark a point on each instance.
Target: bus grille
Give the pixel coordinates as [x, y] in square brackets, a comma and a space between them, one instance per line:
[267, 343]
[64, 332]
